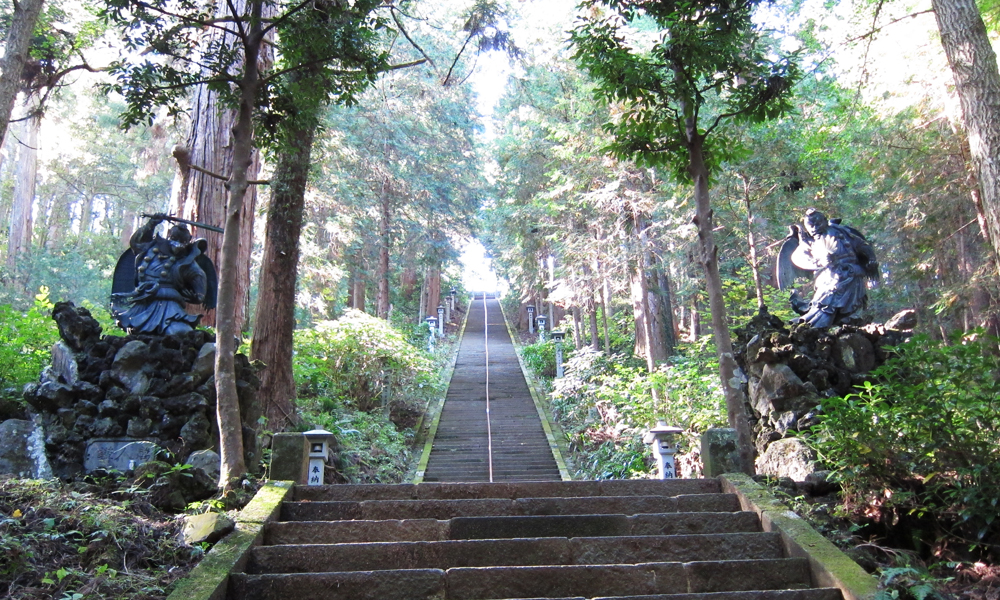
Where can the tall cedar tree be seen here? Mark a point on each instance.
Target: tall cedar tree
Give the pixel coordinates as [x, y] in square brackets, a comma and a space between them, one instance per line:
[167, 33]
[355, 46]
[708, 66]
[977, 81]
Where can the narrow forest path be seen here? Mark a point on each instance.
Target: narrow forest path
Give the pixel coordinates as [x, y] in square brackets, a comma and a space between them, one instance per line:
[489, 428]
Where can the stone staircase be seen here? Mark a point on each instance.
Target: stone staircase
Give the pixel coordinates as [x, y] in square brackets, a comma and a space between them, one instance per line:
[626, 540]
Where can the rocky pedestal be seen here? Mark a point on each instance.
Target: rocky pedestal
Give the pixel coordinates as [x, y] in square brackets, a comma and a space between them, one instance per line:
[159, 389]
[790, 370]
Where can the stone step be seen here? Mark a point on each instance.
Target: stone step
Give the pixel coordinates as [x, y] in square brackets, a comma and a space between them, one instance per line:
[799, 594]
[487, 583]
[370, 510]
[456, 491]
[569, 526]
[513, 552]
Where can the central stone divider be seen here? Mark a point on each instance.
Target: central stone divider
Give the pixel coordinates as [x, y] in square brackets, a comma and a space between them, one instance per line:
[648, 539]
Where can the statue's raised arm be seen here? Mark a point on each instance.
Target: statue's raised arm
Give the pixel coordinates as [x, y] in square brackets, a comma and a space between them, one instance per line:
[841, 259]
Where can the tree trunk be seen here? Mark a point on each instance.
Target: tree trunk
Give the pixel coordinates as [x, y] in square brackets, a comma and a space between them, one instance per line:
[199, 197]
[433, 289]
[22, 28]
[382, 299]
[752, 244]
[274, 322]
[358, 291]
[977, 81]
[25, 180]
[666, 312]
[228, 408]
[605, 305]
[731, 386]
[694, 318]
[577, 328]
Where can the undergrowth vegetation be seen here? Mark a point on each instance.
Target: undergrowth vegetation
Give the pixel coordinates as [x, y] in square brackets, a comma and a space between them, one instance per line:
[917, 453]
[605, 404]
[366, 382]
[75, 542]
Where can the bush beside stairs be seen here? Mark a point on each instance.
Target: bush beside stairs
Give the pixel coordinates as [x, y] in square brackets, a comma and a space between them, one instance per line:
[697, 539]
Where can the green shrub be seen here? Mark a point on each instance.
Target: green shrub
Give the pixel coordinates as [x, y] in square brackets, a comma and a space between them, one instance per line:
[540, 357]
[370, 448]
[355, 358]
[605, 405]
[922, 445]
[26, 339]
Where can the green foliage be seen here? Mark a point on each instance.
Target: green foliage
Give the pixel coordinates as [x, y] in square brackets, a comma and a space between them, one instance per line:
[605, 405]
[921, 444]
[26, 339]
[370, 448]
[326, 52]
[709, 64]
[540, 357]
[356, 358]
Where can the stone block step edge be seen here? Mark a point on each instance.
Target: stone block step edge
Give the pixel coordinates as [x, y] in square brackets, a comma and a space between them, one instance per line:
[828, 565]
[209, 579]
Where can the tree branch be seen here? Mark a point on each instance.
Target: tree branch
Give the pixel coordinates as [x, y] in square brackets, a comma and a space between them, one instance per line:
[892, 22]
[395, 18]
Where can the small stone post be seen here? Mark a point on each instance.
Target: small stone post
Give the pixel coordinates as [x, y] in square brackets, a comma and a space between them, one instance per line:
[558, 337]
[441, 320]
[531, 318]
[541, 327]
[661, 438]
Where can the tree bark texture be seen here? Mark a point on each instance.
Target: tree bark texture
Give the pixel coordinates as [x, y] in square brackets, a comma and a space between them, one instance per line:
[228, 408]
[385, 222]
[977, 81]
[274, 322]
[731, 385]
[665, 303]
[199, 197]
[22, 27]
[25, 180]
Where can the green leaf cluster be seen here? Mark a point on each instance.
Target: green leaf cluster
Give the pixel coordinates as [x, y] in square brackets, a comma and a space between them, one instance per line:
[703, 63]
[922, 445]
[605, 405]
[26, 338]
[360, 361]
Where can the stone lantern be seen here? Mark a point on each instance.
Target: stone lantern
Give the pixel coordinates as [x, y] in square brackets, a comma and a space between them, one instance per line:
[432, 326]
[558, 337]
[441, 320]
[542, 320]
[319, 450]
[661, 438]
[531, 318]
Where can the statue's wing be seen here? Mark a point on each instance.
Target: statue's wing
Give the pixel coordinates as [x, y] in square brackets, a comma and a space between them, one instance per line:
[867, 258]
[124, 280]
[211, 278]
[785, 270]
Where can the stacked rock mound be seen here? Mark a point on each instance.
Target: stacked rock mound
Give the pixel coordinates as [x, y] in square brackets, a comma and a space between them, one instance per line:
[155, 388]
[789, 370]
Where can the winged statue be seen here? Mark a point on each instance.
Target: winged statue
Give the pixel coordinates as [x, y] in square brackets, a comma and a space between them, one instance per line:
[841, 261]
[156, 277]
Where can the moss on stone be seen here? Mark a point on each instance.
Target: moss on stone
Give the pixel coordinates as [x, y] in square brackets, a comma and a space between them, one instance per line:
[208, 580]
[830, 567]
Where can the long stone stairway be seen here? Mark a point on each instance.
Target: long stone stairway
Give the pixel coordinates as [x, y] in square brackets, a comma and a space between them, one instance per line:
[627, 540]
